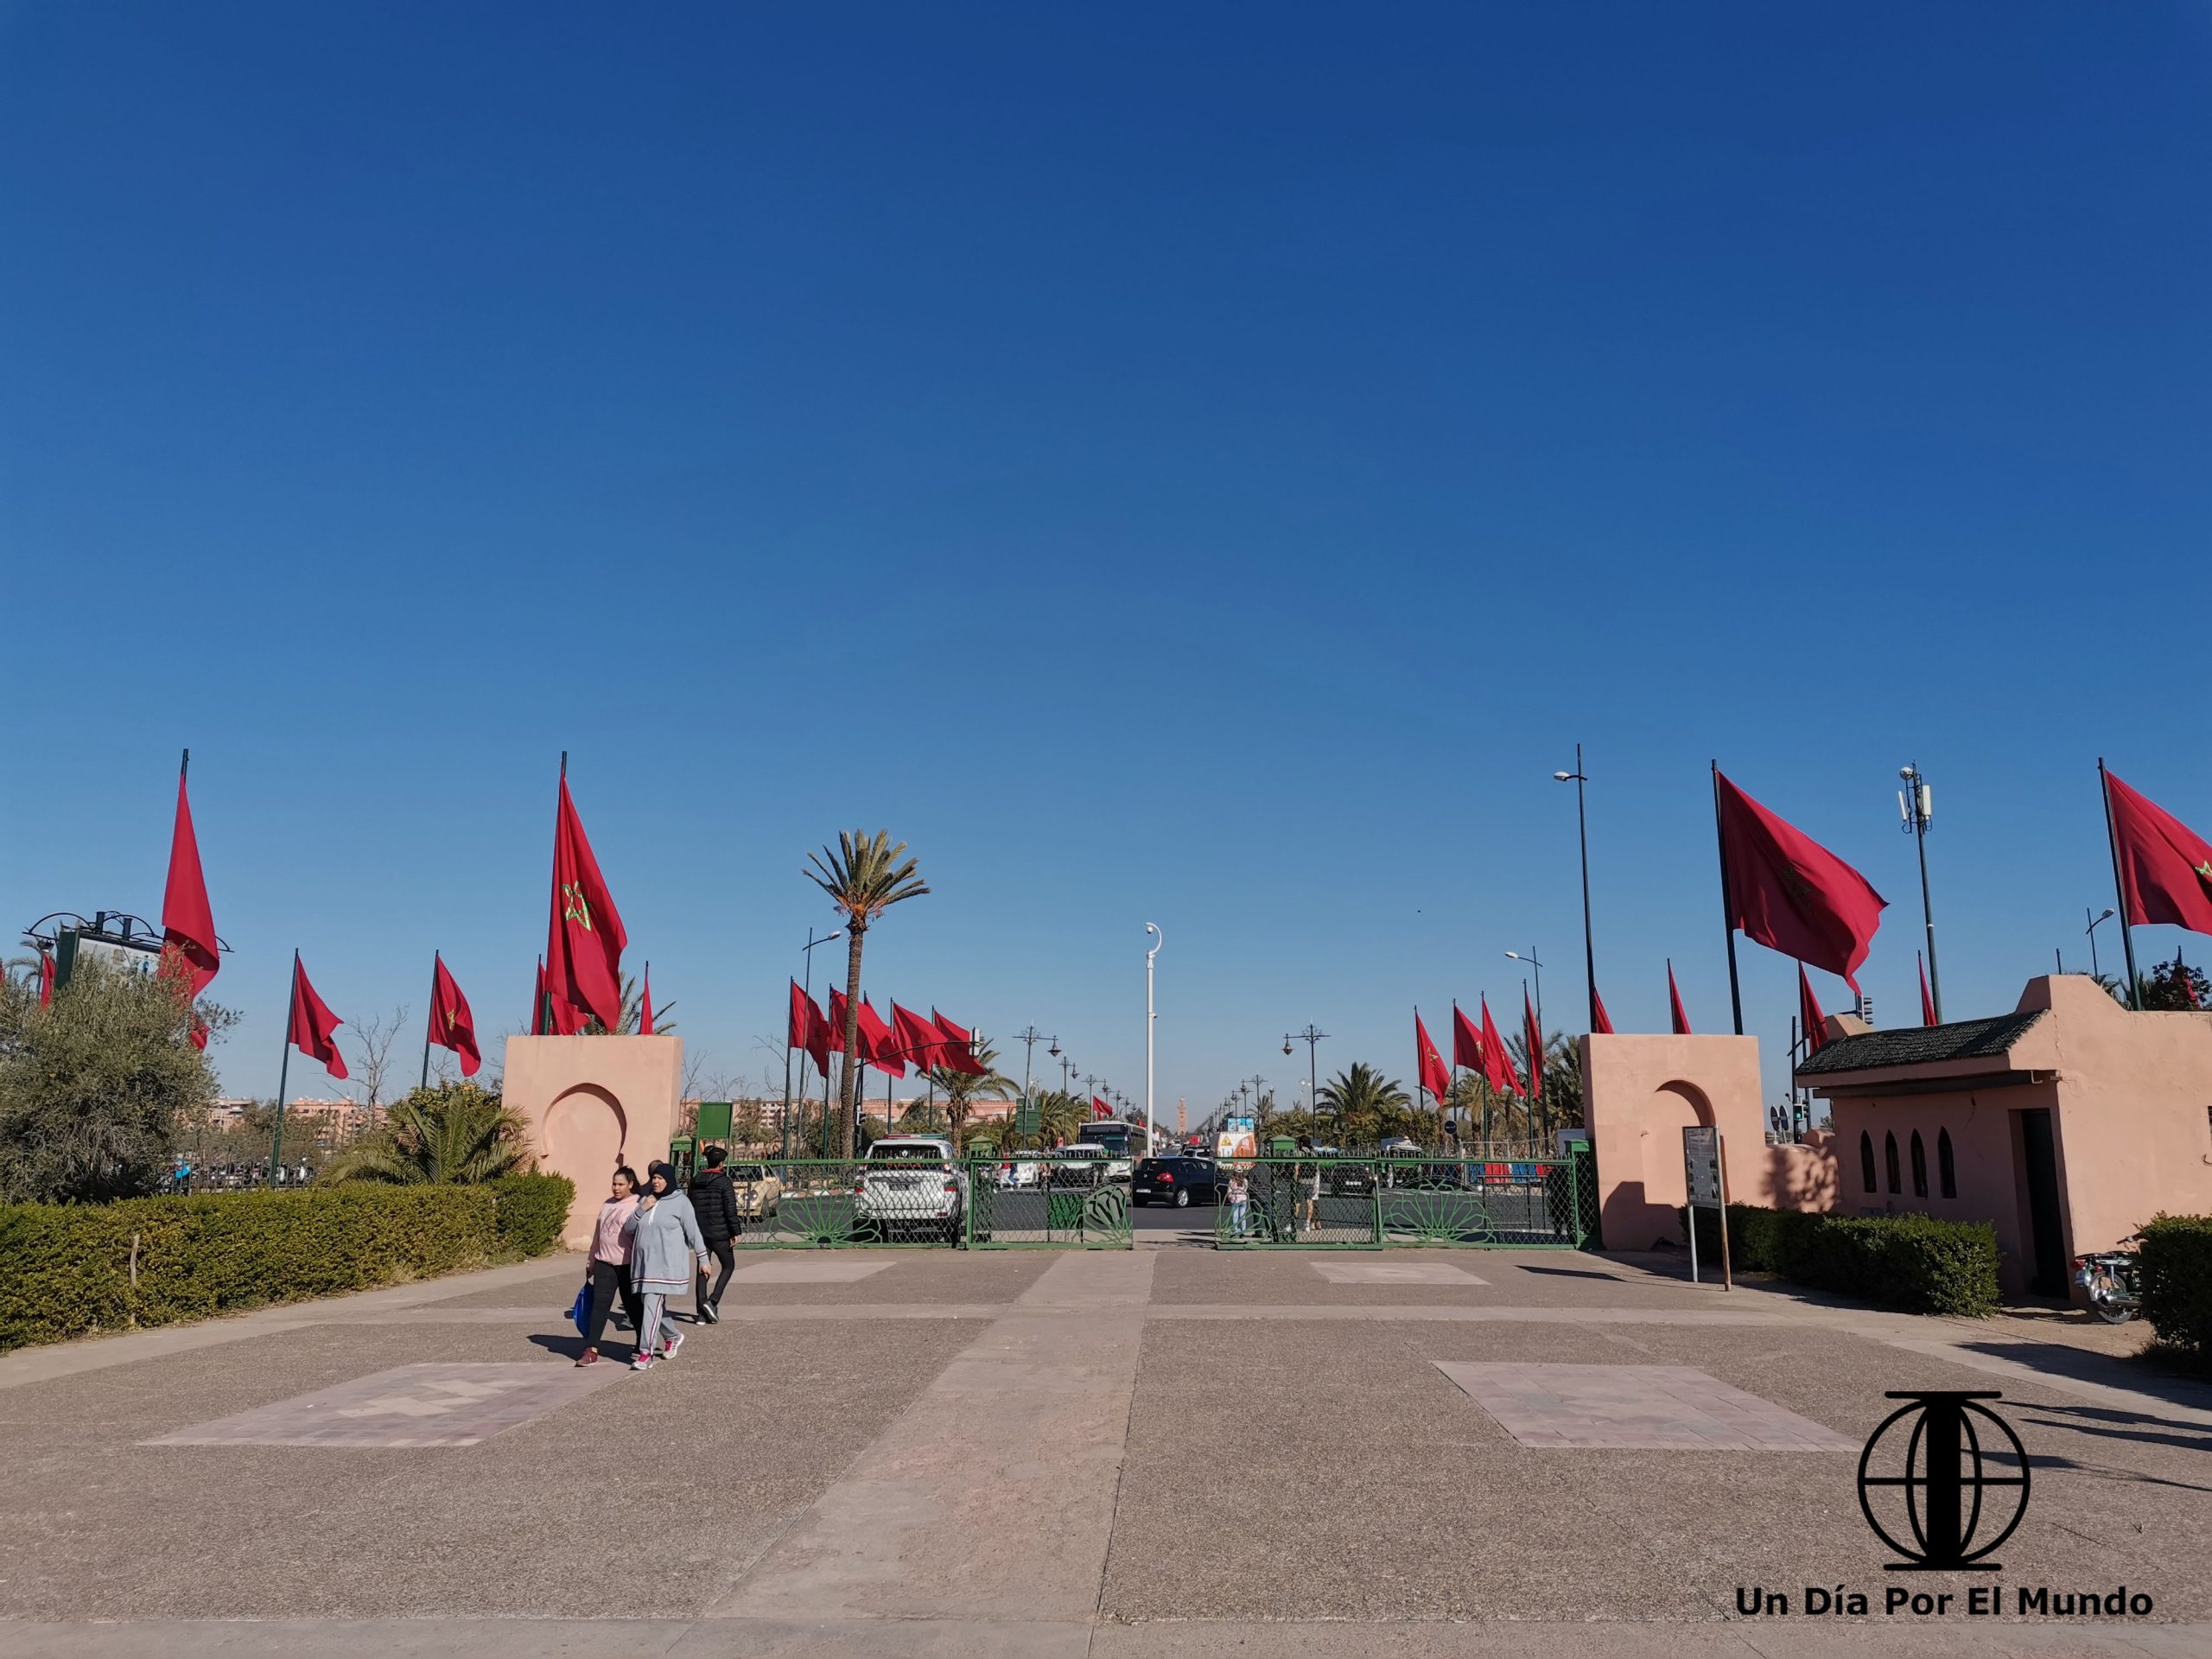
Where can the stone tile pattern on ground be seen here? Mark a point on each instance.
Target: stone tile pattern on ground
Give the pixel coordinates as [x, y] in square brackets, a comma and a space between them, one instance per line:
[1634, 1408]
[1394, 1273]
[439, 1404]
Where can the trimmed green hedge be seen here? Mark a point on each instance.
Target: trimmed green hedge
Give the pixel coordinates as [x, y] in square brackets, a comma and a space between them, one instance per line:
[1910, 1261]
[2177, 1286]
[532, 1211]
[67, 1268]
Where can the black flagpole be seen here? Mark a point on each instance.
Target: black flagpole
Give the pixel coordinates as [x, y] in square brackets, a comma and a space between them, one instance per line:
[2119, 889]
[1727, 910]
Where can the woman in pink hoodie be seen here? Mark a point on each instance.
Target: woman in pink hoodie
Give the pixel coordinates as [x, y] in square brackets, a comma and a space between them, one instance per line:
[610, 1264]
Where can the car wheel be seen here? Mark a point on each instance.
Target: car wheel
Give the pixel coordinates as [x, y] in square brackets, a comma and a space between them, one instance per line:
[1182, 1199]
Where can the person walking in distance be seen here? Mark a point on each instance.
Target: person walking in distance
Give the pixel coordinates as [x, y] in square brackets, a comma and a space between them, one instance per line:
[715, 1202]
[609, 1272]
[664, 1244]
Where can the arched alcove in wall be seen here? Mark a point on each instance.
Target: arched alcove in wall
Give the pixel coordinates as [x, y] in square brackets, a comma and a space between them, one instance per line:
[586, 1134]
[1676, 1105]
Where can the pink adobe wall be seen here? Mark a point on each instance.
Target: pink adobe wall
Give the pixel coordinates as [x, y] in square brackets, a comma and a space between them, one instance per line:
[2134, 1116]
[592, 1103]
[1639, 1093]
[2130, 1097]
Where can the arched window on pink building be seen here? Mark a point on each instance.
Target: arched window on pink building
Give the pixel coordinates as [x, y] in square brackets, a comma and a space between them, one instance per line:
[1919, 1166]
[1867, 1160]
[1889, 1159]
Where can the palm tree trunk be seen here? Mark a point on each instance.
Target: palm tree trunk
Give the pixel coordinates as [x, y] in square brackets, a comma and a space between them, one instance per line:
[854, 931]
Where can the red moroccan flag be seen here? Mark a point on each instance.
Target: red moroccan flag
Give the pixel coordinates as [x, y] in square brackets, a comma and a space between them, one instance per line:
[646, 1003]
[917, 1038]
[1927, 1002]
[1434, 1077]
[45, 979]
[2165, 868]
[959, 1050]
[315, 1027]
[837, 1006]
[189, 948]
[878, 1046]
[809, 1030]
[1533, 1034]
[1466, 1041]
[1100, 1108]
[1809, 1017]
[583, 952]
[1601, 1023]
[452, 1025]
[1789, 892]
[1498, 1063]
[538, 1012]
[1674, 1004]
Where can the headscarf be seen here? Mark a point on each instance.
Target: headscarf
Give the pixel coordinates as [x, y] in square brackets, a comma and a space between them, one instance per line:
[667, 1172]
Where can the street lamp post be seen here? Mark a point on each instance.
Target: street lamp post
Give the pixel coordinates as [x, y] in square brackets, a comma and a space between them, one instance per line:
[1582, 834]
[1917, 806]
[2094, 922]
[1159, 939]
[807, 958]
[1028, 1037]
[1536, 1066]
[1310, 1036]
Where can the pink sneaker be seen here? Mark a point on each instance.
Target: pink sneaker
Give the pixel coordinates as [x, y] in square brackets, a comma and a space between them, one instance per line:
[642, 1362]
[675, 1342]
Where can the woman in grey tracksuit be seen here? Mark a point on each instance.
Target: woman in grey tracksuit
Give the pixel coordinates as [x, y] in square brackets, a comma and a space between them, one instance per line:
[666, 1249]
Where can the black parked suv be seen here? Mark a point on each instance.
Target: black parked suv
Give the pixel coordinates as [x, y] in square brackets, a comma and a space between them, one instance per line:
[1179, 1181]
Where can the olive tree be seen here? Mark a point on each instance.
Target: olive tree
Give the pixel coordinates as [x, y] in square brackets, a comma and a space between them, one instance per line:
[96, 1090]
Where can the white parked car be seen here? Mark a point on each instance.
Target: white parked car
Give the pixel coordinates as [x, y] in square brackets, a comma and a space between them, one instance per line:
[912, 1185]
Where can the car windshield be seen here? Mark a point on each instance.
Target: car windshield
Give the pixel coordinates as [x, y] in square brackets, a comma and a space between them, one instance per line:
[748, 1173]
[923, 1154]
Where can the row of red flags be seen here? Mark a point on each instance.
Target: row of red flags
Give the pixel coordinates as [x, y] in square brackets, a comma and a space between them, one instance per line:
[1781, 889]
[927, 1043]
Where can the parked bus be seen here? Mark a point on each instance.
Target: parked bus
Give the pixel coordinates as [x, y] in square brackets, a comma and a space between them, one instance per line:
[1124, 1143]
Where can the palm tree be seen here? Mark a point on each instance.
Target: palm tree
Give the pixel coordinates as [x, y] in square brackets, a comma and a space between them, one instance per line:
[1562, 1106]
[451, 1133]
[961, 1088]
[1363, 1101]
[634, 1013]
[864, 877]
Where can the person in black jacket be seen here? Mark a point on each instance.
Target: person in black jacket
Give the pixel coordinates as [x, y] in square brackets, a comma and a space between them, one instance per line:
[714, 1201]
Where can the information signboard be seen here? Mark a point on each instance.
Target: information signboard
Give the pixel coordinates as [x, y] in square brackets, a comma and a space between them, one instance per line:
[1705, 1180]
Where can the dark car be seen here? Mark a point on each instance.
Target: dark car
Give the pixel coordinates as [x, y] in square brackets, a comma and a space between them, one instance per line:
[1353, 1181]
[1179, 1181]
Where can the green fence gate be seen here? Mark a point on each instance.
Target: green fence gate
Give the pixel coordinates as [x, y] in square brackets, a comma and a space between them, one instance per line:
[1324, 1203]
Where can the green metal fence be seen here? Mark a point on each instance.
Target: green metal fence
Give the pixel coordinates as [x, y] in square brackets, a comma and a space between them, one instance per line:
[1319, 1202]
[914, 1199]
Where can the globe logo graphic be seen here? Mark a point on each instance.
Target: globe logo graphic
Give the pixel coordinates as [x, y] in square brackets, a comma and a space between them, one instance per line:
[1932, 1483]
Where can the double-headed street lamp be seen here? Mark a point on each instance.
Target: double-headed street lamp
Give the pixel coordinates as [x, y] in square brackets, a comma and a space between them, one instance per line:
[1310, 1036]
[1582, 834]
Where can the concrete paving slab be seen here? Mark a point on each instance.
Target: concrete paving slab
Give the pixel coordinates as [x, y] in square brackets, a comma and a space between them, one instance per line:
[1643, 1407]
[805, 1270]
[993, 1496]
[437, 1403]
[1393, 1273]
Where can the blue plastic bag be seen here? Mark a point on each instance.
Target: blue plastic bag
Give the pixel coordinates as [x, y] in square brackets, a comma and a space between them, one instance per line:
[580, 1310]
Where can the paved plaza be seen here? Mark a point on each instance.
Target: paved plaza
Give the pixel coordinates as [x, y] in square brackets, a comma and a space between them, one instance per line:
[1171, 1451]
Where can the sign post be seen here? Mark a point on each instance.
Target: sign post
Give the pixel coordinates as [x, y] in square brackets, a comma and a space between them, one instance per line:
[1706, 1183]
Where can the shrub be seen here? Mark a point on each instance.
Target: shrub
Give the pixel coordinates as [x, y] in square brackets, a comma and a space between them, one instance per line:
[2177, 1286]
[1910, 1261]
[69, 1266]
[532, 1210]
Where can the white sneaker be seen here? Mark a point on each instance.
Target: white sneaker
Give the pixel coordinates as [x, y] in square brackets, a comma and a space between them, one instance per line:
[675, 1342]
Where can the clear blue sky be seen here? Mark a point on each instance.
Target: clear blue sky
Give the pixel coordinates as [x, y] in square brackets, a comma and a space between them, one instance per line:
[1198, 465]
